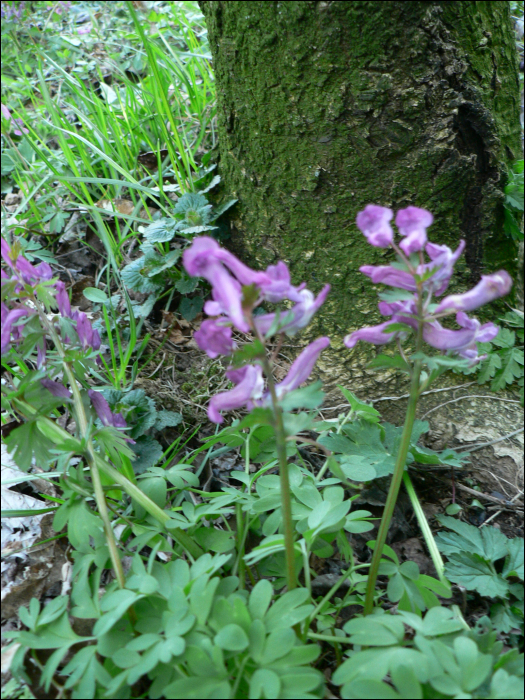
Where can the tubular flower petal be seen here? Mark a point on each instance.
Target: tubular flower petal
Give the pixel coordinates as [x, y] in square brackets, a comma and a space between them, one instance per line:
[6, 254]
[384, 274]
[302, 367]
[44, 271]
[27, 271]
[301, 313]
[489, 288]
[413, 222]
[214, 339]
[62, 300]
[57, 389]
[463, 342]
[87, 336]
[249, 389]
[277, 286]
[201, 260]
[443, 261]
[8, 319]
[373, 334]
[103, 410]
[373, 222]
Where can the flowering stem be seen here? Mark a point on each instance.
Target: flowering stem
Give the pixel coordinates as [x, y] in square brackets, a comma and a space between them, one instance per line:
[91, 456]
[280, 438]
[394, 488]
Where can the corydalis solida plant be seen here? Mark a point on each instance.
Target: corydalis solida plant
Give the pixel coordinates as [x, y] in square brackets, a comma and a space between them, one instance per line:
[412, 309]
[237, 291]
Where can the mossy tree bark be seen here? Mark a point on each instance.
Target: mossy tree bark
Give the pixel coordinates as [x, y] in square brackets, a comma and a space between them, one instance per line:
[325, 107]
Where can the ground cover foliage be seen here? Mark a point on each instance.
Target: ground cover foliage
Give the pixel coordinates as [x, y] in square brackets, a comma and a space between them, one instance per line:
[255, 580]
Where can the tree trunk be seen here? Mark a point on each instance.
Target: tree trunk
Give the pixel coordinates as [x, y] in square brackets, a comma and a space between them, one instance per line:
[325, 107]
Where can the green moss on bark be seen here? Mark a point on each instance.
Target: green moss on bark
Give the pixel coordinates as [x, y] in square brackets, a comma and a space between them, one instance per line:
[325, 107]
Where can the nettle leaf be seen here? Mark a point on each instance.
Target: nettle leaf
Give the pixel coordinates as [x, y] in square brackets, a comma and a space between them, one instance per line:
[161, 230]
[147, 452]
[134, 277]
[167, 419]
[189, 308]
[186, 284]
[514, 561]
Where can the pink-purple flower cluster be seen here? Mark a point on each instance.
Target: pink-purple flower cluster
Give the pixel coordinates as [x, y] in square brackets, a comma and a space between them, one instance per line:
[227, 276]
[424, 280]
[24, 273]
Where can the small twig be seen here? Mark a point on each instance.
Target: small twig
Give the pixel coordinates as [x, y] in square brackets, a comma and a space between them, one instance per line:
[468, 396]
[480, 445]
[478, 494]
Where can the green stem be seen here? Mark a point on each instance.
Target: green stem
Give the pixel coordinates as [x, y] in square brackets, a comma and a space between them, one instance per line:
[90, 451]
[286, 502]
[240, 546]
[425, 529]
[394, 488]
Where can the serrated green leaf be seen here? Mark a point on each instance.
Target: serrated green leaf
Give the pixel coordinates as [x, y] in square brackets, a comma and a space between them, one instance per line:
[189, 308]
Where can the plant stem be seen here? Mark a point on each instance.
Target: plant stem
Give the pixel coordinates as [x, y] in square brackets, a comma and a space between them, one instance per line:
[286, 505]
[394, 488]
[90, 451]
[425, 529]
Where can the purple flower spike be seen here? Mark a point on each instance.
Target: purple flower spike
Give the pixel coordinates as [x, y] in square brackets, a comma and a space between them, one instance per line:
[302, 367]
[384, 274]
[302, 313]
[373, 222]
[57, 389]
[372, 334]
[489, 288]
[62, 300]
[413, 222]
[214, 339]
[249, 389]
[103, 410]
[44, 271]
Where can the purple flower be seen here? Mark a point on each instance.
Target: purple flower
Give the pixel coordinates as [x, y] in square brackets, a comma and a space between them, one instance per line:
[201, 260]
[462, 342]
[41, 353]
[7, 115]
[6, 254]
[373, 222]
[443, 261]
[384, 274]
[278, 287]
[249, 389]
[489, 288]
[403, 311]
[57, 389]
[87, 336]
[44, 271]
[301, 313]
[103, 410]
[214, 339]
[373, 334]
[62, 299]
[302, 367]
[9, 318]
[413, 222]
[28, 272]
